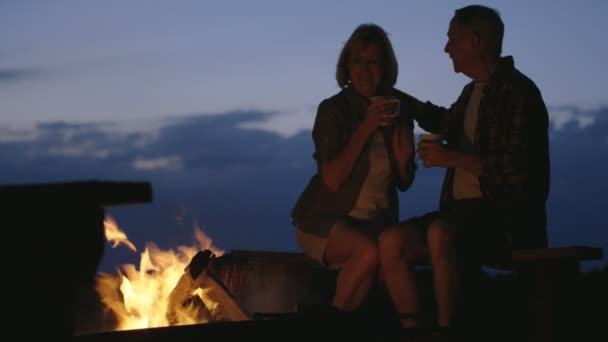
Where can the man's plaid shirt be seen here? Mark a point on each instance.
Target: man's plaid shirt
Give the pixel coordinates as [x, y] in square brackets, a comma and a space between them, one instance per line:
[511, 139]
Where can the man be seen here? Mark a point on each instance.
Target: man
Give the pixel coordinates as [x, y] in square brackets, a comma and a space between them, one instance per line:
[497, 168]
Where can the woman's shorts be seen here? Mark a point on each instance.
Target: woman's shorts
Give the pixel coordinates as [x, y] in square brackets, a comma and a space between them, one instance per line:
[314, 246]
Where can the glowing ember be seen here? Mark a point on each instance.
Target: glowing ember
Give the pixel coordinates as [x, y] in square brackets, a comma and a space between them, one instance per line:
[139, 297]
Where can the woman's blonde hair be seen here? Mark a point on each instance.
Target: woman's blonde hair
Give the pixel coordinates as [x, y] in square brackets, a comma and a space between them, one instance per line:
[366, 34]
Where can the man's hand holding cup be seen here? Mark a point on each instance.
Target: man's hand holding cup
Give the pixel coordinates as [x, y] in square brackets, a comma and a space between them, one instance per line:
[430, 150]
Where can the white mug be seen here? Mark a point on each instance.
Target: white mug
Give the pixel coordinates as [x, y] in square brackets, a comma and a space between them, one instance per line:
[391, 107]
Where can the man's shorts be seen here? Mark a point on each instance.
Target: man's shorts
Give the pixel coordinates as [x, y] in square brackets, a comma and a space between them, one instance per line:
[479, 231]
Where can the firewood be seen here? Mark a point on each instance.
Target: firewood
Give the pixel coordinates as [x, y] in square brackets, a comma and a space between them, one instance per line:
[199, 297]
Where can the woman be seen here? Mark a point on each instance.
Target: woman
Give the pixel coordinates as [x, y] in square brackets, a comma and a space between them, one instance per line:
[363, 157]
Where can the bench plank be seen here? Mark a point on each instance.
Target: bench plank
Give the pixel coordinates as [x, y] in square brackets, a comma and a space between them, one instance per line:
[574, 253]
[570, 253]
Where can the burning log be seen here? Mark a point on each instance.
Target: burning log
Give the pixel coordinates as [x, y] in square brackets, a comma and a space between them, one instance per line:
[199, 297]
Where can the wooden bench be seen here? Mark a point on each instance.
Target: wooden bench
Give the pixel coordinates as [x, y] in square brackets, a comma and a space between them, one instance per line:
[546, 276]
[574, 254]
[549, 276]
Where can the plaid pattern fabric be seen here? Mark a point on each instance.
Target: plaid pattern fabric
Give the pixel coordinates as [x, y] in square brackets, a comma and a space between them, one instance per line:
[511, 138]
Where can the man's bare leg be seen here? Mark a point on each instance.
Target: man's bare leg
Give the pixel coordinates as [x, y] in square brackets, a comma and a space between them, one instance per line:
[446, 274]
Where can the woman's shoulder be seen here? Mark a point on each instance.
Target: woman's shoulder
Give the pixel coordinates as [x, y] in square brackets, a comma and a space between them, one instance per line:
[336, 101]
[338, 97]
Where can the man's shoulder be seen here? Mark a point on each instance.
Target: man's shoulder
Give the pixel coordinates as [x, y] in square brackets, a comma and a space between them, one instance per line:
[517, 86]
[514, 77]
[515, 81]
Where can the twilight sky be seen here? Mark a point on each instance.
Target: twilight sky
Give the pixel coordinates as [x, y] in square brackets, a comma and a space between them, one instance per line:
[104, 60]
[145, 89]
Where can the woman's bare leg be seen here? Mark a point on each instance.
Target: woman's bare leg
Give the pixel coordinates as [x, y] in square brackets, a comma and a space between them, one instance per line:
[357, 257]
[399, 245]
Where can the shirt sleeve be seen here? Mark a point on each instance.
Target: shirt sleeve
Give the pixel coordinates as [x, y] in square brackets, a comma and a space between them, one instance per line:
[404, 184]
[433, 118]
[325, 133]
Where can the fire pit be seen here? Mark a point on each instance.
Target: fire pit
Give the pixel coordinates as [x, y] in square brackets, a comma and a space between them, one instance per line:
[238, 286]
[294, 328]
[254, 294]
[246, 294]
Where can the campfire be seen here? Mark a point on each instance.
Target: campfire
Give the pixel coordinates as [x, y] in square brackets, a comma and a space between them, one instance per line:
[169, 288]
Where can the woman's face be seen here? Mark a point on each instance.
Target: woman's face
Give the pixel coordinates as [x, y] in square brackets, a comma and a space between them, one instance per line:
[365, 68]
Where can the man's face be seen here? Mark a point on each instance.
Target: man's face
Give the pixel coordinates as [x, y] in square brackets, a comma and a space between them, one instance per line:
[364, 67]
[460, 47]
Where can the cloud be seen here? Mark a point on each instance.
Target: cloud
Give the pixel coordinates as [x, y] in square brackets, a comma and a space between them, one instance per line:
[168, 163]
[561, 117]
[87, 150]
[12, 134]
[242, 181]
[15, 74]
[290, 123]
[286, 124]
[82, 140]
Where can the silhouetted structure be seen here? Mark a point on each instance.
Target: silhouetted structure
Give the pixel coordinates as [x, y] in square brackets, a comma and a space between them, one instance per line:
[55, 239]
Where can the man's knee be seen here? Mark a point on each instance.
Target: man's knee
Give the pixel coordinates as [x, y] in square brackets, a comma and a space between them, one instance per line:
[440, 238]
[368, 255]
[400, 242]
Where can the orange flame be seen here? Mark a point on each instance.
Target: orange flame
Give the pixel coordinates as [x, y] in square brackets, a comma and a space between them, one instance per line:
[114, 235]
[139, 297]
